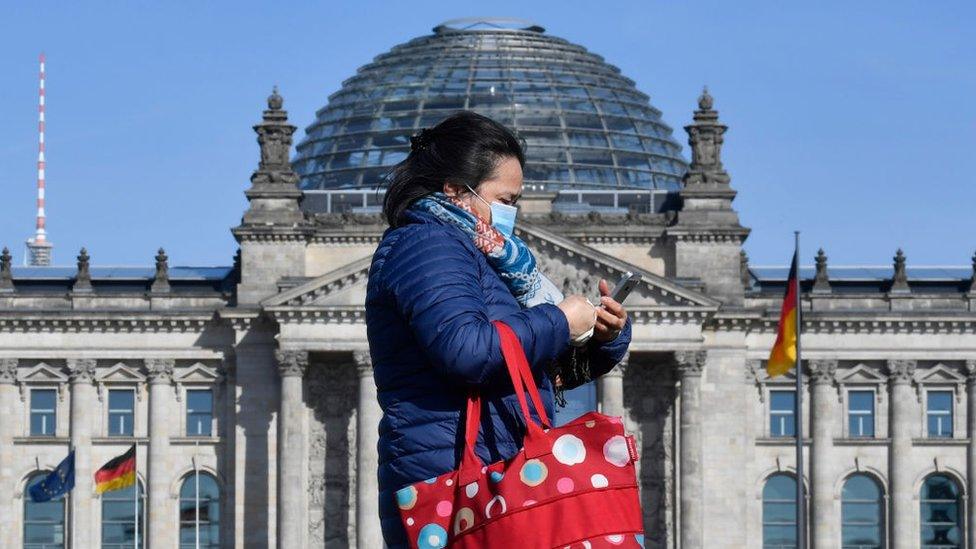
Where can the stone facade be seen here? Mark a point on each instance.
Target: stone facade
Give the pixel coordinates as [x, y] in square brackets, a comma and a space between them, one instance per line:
[280, 340]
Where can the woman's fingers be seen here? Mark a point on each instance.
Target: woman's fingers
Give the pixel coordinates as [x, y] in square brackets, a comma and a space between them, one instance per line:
[614, 307]
[604, 287]
[609, 321]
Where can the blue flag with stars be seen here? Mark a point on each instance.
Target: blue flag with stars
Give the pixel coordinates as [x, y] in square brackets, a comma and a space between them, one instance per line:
[60, 481]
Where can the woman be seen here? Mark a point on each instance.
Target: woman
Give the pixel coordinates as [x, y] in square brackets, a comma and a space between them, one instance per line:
[445, 269]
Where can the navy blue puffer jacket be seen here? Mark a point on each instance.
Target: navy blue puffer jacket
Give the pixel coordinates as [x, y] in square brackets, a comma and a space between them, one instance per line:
[430, 301]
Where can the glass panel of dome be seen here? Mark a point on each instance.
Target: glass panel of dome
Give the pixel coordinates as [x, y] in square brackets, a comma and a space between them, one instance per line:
[393, 157]
[359, 125]
[481, 101]
[602, 158]
[453, 103]
[582, 105]
[407, 105]
[373, 177]
[603, 176]
[489, 74]
[628, 142]
[537, 101]
[572, 91]
[545, 173]
[539, 119]
[640, 179]
[583, 121]
[620, 124]
[635, 161]
[654, 145]
[551, 155]
[531, 87]
[612, 108]
[390, 140]
[603, 93]
[587, 139]
[351, 142]
[322, 147]
[373, 158]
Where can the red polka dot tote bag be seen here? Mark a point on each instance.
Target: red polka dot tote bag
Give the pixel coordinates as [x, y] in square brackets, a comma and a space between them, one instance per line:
[573, 486]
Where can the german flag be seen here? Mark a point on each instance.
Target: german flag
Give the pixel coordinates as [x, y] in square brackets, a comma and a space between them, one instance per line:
[783, 355]
[118, 473]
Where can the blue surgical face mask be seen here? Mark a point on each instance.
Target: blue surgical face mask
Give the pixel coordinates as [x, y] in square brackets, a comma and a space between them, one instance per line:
[502, 215]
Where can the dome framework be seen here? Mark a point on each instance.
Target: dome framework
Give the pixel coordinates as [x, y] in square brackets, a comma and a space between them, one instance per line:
[585, 125]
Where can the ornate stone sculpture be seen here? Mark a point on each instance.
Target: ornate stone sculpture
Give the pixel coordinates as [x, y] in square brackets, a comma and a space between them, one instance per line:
[744, 270]
[822, 371]
[690, 363]
[291, 362]
[8, 370]
[901, 371]
[821, 283]
[705, 139]
[81, 370]
[161, 279]
[83, 278]
[899, 282]
[6, 273]
[160, 370]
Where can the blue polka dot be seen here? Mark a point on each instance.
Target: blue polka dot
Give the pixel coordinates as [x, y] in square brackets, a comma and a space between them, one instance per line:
[432, 536]
[640, 539]
[496, 476]
[406, 497]
[431, 480]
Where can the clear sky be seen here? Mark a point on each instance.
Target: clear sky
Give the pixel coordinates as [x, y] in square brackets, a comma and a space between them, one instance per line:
[851, 121]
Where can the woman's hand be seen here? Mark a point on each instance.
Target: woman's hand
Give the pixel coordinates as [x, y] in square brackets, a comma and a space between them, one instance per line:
[611, 318]
[580, 314]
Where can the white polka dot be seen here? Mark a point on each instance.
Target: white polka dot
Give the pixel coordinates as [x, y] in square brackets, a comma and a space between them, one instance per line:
[569, 450]
[599, 481]
[449, 482]
[471, 490]
[615, 451]
[409, 521]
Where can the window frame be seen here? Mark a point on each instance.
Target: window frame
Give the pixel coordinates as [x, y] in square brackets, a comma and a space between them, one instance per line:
[882, 504]
[952, 412]
[770, 412]
[108, 409]
[959, 502]
[30, 411]
[65, 529]
[143, 524]
[762, 506]
[188, 478]
[186, 390]
[873, 415]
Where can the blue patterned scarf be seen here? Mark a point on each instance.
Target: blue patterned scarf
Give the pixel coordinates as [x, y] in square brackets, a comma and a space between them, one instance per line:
[509, 256]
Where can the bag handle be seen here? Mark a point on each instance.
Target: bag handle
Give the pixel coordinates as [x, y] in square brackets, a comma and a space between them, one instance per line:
[536, 443]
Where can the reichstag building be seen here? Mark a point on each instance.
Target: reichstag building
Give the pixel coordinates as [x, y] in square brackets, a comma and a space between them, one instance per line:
[251, 384]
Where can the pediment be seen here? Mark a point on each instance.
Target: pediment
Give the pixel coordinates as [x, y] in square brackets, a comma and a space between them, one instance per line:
[198, 373]
[43, 373]
[862, 373]
[574, 267]
[121, 373]
[939, 373]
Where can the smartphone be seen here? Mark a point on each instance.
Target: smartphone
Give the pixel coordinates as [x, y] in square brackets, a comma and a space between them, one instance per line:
[624, 286]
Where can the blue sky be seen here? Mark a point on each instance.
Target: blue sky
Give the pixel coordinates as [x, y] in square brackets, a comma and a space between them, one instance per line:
[851, 121]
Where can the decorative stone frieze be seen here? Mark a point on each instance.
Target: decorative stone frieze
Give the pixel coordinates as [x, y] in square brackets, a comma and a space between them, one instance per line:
[291, 363]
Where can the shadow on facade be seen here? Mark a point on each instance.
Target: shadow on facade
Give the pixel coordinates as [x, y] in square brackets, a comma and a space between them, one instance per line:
[649, 397]
[330, 392]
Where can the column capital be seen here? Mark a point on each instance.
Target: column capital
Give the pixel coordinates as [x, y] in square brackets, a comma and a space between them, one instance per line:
[81, 370]
[822, 371]
[8, 371]
[364, 363]
[291, 362]
[160, 370]
[690, 363]
[901, 372]
[970, 368]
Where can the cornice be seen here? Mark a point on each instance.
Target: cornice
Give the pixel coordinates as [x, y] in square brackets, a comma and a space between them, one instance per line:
[857, 323]
[104, 321]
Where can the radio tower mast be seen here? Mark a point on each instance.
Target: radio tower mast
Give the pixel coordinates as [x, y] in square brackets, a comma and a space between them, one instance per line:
[38, 248]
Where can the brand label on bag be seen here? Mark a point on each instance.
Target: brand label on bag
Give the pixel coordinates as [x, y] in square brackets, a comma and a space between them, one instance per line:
[632, 447]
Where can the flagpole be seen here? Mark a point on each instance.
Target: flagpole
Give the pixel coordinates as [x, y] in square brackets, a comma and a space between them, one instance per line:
[196, 506]
[135, 490]
[800, 488]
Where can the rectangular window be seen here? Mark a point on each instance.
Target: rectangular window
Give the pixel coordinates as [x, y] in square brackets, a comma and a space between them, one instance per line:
[121, 411]
[939, 414]
[199, 412]
[43, 412]
[860, 414]
[782, 413]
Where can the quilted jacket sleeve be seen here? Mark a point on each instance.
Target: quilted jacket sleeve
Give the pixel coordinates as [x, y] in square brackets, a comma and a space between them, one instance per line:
[603, 357]
[434, 278]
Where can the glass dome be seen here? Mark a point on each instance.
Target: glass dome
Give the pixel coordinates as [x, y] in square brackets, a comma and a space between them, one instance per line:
[585, 126]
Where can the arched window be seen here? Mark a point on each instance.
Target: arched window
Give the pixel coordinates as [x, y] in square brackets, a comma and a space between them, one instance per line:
[44, 521]
[779, 512]
[941, 517]
[118, 518]
[861, 513]
[199, 521]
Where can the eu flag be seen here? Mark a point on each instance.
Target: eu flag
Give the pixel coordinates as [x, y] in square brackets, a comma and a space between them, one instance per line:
[60, 481]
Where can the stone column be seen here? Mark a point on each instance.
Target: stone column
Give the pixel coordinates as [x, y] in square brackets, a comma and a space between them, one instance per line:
[8, 409]
[368, 414]
[611, 386]
[690, 365]
[971, 455]
[292, 522]
[900, 420]
[82, 374]
[821, 419]
[160, 525]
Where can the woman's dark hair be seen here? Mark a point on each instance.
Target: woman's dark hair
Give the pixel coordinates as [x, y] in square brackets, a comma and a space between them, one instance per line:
[464, 148]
